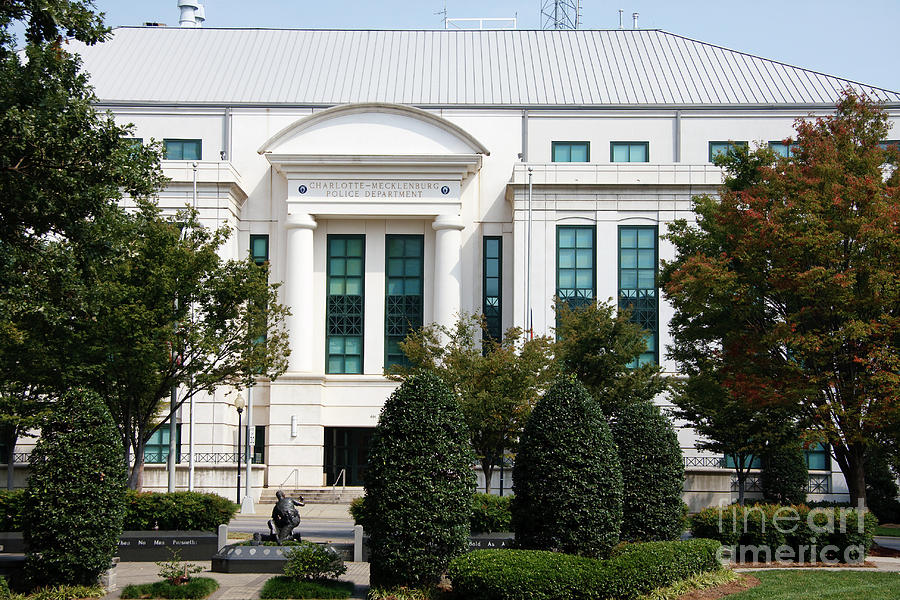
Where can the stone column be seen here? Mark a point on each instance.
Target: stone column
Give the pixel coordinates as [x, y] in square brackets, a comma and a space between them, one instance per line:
[447, 268]
[298, 289]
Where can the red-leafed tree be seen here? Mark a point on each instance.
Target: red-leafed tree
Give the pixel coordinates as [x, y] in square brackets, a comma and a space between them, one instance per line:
[787, 289]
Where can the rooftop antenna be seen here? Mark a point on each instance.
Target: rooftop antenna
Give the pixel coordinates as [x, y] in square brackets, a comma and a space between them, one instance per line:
[635, 17]
[443, 13]
[620, 18]
[561, 14]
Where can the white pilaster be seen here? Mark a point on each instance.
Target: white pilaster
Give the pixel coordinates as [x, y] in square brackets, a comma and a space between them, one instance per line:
[447, 268]
[298, 289]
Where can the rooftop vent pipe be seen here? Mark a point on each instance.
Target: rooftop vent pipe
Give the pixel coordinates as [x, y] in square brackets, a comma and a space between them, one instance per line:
[192, 13]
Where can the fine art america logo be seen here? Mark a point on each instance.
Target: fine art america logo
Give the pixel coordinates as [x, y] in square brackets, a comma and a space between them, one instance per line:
[374, 189]
[787, 535]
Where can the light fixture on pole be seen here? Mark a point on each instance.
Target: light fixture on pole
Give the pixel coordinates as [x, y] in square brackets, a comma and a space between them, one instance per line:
[239, 405]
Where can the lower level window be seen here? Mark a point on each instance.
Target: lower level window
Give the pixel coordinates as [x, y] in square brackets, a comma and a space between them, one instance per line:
[156, 451]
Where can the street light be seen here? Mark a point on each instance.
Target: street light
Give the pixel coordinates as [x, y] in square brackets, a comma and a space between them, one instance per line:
[239, 405]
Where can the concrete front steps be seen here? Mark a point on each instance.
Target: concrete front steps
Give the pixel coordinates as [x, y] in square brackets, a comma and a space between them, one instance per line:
[323, 495]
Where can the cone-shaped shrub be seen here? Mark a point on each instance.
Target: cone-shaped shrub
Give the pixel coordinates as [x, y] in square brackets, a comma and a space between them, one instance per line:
[784, 476]
[652, 473]
[567, 479]
[75, 500]
[419, 485]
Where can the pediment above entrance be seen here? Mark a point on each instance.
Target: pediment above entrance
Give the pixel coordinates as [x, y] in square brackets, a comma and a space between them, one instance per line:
[373, 129]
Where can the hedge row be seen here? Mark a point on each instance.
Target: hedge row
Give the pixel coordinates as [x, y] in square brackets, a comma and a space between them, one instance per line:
[773, 526]
[540, 575]
[490, 513]
[183, 511]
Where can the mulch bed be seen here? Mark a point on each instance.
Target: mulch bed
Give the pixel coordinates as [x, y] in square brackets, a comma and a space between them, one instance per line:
[882, 552]
[720, 591]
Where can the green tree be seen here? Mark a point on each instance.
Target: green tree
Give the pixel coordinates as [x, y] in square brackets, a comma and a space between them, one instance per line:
[652, 473]
[75, 501]
[787, 286]
[600, 346]
[496, 383]
[567, 479]
[419, 485]
[164, 309]
[62, 165]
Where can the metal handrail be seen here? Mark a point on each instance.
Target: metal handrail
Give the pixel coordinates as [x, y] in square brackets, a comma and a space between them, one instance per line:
[342, 476]
[296, 474]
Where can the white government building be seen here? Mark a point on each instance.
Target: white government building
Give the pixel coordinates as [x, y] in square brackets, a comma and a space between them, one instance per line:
[385, 177]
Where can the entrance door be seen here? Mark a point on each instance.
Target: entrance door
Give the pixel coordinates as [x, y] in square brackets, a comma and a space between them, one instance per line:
[347, 449]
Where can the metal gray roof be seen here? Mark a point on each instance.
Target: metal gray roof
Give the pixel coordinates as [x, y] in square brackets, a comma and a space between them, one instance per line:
[444, 68]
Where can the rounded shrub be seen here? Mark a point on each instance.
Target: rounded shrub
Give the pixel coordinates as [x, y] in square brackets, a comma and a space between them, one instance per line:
[74, 502]
[652, 474]
[567, 479]
[419, 485]
[784, 476]
[313, 561]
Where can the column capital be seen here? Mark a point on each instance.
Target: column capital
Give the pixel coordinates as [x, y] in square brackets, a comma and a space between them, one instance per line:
[442, 222]
[300, 220]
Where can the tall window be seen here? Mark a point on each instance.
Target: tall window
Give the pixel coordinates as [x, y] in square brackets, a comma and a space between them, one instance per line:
[182, 149]
[629, 151]
[259, 249]
[575, 264]
[344, 324]
[571, 151]
[818, 458]
[156, 450]
[492, 284]
[404, 263]
[717, 148]
[259, 445]
[637, 284]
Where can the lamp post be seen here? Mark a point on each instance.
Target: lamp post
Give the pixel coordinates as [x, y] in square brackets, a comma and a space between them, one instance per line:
[239, 405]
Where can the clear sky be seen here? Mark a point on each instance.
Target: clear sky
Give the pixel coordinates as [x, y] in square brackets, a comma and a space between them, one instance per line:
[854, 40]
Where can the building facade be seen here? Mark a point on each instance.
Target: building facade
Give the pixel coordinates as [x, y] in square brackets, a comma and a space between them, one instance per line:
[392, 178]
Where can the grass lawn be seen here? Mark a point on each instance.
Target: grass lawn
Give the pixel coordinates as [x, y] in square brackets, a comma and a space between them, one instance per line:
[285, 587]
[197, 587]
[893, 530]
[822, 585]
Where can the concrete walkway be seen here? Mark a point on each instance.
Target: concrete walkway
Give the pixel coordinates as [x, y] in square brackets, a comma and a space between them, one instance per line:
[232, 586]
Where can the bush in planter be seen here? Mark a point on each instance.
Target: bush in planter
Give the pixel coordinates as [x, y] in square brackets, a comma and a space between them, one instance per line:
[74, 502]
[313, 561]
[185, 511]
[419, 485]
[12, 506]
[490, 513]
[652, 473]
[539, 575]
[567, 478]
[784, 477]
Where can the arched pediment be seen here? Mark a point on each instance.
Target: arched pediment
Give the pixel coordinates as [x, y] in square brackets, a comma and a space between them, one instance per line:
[373, 129]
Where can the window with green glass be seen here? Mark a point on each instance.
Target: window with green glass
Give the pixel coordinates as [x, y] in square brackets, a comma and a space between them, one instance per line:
[156, 450]
[344, 319]
[750, 462]
[182, 149]
[259, 249]
[576, 264]
[492, 286]
[637, 284]
[717, 148]
[404, 264]
[781, 149]
[895, 144]
[818, 457]
[571, 151]
[629, 151]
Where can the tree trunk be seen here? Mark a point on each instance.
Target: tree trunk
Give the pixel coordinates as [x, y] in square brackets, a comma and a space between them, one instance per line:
[136, 475]
[11, 439]
[487, 468]
[855, 474]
